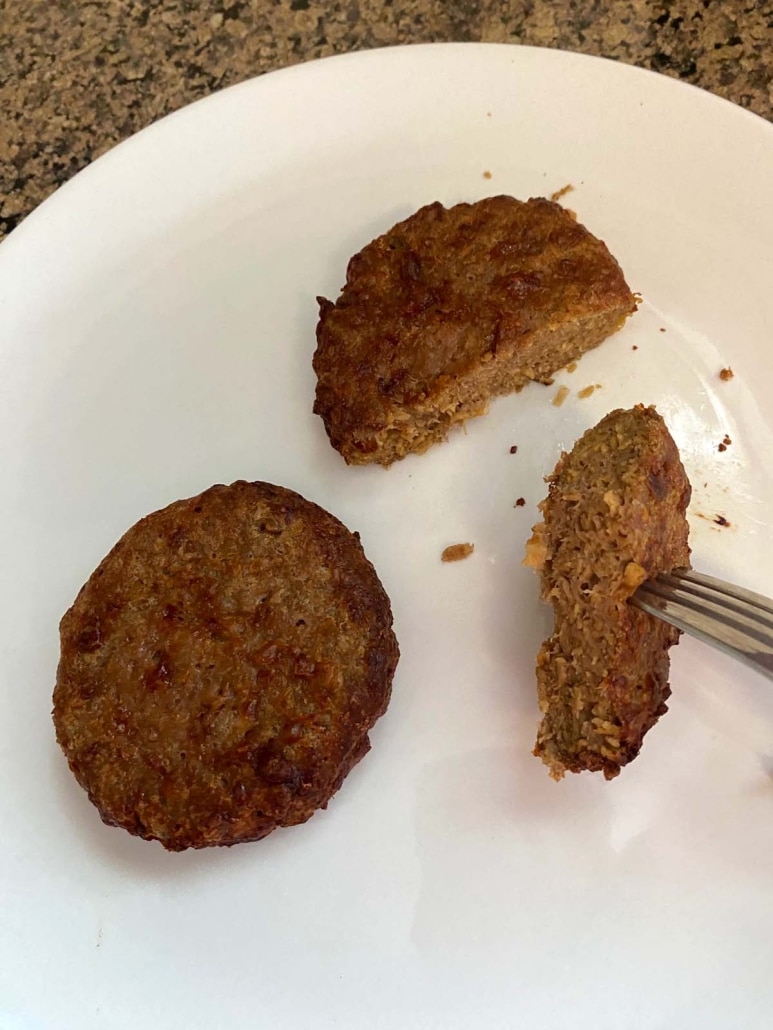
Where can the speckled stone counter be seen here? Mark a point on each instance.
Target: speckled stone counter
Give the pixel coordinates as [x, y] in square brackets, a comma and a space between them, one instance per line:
[78, 77]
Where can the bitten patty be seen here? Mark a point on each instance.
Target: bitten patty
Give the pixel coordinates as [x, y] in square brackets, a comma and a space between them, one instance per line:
[222, 667]
[614, 517]
[451, 308]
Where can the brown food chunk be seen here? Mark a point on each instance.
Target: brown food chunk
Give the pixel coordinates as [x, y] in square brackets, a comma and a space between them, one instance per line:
[222, 667]
[614, 516]
[451, 308]
[457, 552]
[726, 374]
[557, 194]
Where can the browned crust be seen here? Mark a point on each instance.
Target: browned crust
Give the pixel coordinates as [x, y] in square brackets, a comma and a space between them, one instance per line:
[222, 667]
[614, 516]
[452, 307]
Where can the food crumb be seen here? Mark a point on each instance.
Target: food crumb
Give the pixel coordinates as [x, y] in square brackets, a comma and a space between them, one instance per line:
[487, 174]
[725, 374]
[562, 192]
[662, 329]
[536, 549]
[717, 520]
[561, 394]
[456, 552]
[638, 299]
[586, 391]
[520, 502]
[634, 347]
[572, 366]
[514, 449]
[634, 575]
[725, 443]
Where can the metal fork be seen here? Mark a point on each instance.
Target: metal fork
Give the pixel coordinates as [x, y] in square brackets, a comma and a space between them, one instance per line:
[730, 618]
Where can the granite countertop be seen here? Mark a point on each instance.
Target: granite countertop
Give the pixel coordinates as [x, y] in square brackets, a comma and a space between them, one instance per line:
[78, 76]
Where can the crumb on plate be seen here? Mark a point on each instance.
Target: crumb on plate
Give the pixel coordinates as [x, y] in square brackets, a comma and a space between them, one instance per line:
[457, 552]
[716, 520]
[556, 196]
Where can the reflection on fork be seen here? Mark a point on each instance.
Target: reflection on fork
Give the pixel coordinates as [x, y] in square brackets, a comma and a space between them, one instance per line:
[730, 618]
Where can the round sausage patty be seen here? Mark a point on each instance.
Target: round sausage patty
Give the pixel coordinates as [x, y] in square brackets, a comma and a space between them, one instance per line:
[222, 667]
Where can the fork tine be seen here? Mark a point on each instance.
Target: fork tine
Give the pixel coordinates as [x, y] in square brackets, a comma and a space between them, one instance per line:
[735, 620]
[745, 599]
[724, 606]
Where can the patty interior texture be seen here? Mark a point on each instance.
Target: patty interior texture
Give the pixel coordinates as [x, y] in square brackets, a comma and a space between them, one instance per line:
[614, 516]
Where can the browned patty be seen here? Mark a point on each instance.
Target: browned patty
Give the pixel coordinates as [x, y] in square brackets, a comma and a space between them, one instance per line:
[452, 307]
[222, 667]
[614, 516]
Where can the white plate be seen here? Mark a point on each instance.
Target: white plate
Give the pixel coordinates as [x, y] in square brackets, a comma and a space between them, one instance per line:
[157, 328]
